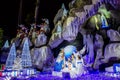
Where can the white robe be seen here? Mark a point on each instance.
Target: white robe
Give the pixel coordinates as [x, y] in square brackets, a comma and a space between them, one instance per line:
[80, 68]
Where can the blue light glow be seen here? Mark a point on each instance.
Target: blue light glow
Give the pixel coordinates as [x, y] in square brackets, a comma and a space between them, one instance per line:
[68, 50]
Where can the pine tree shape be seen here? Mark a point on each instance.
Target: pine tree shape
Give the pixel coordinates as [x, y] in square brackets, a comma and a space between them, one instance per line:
[63, 6]
[11, 57]
[64, 10]
[6, 45]
[26, 58]
[104, 21]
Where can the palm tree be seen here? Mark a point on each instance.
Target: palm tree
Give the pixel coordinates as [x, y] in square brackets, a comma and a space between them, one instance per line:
[20, 13]
[37, 10]
[1, 37]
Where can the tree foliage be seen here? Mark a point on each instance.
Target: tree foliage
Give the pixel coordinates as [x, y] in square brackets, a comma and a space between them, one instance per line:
[81, 3]
[1, 37]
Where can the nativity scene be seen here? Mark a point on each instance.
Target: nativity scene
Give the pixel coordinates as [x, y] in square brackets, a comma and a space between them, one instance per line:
[83, 45]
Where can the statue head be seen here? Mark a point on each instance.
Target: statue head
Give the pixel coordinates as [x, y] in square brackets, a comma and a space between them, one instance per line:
[113, 35]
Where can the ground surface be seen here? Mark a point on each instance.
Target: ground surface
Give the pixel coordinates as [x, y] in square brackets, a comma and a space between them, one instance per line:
[48, 76]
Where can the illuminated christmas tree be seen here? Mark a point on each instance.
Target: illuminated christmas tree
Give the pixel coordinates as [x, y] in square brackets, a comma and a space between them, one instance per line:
[63, 6]
[104, 21]
[26, 58]
[11, 57]
[6, 45]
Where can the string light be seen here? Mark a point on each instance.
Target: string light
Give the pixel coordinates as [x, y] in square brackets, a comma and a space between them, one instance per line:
[89, 76]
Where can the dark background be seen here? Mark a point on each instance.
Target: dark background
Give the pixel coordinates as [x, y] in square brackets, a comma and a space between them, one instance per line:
[9, 10]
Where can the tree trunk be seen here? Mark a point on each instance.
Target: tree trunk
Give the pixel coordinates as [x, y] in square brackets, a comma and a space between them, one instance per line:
[37, 10]
[20, 13]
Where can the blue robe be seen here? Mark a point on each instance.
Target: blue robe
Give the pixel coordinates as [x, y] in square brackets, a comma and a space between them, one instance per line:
[58, 65]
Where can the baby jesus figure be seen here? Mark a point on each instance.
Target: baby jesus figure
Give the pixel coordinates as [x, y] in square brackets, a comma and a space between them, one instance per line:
[68, 66]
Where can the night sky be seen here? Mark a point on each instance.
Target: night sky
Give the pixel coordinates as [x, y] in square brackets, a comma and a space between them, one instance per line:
[9, 10]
